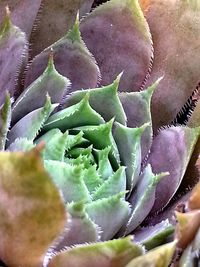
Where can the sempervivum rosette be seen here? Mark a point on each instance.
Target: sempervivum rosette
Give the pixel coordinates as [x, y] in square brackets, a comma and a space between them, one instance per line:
[114, 175]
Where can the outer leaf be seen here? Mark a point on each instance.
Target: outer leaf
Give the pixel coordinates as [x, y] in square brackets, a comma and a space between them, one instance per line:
[115, 253]
[166, 156]
[153, 236]
[31, 209]
[158, 257]
[23, 13]
[188, 225]
[21, 144]
[5, 119]
[12, 50]
[145, 5]
[118, 24]
[176, 35]
[194, 200]
[54, 20]
[80, 228]
[71, 58]
[33, 97]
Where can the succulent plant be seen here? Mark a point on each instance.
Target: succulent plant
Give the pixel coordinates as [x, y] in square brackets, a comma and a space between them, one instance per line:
[108, 170]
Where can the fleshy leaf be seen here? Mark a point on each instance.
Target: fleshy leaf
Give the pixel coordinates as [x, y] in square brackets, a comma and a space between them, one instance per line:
[113, 209]
[23, 13]
[71, 58]
[101, 137]
[104, 100]
[158, 257]
[30, 125]
[118, 24]
[21, 144]
[187, 227]
[145, 5]
[115, 253]
[176, 35]
[12, 51]
[69, 180]
[137, 106]
[5, 119]
[153, 236]
[34, 97]
[128, 141]
[31, 209]
[77, 115]
[92, 178]
[112, 186]
[166, 155]
[104, 166]
[54, 20]
[142, 199]
[80, 228]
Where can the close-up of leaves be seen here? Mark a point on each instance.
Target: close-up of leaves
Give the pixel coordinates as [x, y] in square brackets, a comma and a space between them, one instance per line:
[99, 133]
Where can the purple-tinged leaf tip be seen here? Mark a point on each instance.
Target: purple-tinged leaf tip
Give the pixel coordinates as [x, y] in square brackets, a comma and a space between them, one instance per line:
[12, 51]
[72, 60]
[23, 13]
[125, 42]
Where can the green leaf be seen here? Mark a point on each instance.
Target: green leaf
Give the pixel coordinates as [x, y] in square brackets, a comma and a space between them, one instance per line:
[5, 120]
[103, 100]
[92, 179]
[77, 115]
[112, 186]
[69, 180]
[113, 209]
[115, 253]
[101, 137]
[104, 166]
[21, 144]
[31, 209]
[128, 141]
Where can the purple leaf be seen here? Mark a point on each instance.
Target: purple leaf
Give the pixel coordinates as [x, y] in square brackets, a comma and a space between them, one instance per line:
[171, 151]
[12, 51]
[23, 13]
[118, 36]
[54, 20]
[72, 60]
[174, 25]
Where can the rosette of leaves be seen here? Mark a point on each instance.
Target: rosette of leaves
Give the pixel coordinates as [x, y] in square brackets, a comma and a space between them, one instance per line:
[97, 140]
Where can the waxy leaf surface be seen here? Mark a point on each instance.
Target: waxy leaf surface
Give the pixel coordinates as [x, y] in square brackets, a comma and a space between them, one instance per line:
[125, 42]
[175, 31]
